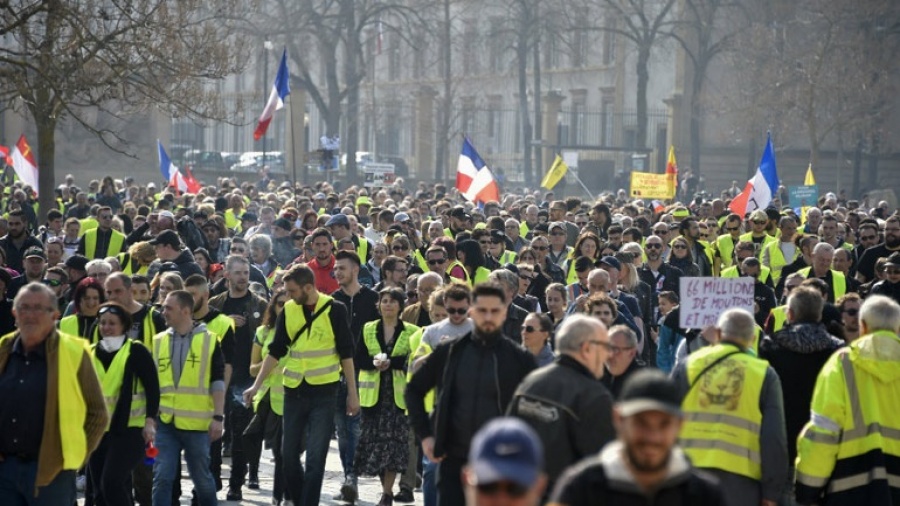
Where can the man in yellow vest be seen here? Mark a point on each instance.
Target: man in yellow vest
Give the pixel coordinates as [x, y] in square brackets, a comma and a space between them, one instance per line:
[733, 414]
[724, 244]
[103, 241]
[313, 331]
[192, 399]
[782, 251]
[53, 413]
[339, 225]
[822, 256]
[146, 321]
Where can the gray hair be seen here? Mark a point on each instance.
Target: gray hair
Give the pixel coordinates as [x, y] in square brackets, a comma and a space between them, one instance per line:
[33, 288]
[430, 276]
[575, 330]
[823, 247]
[261, 241]
[507, 279]
[806, 305]
[879, 313]
[99, 261]
[623, 330]
[595, 273]
[737, 324]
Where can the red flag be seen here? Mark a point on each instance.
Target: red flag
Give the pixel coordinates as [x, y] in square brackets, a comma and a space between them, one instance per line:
[4, 152]
[23, 163]
[193, 186]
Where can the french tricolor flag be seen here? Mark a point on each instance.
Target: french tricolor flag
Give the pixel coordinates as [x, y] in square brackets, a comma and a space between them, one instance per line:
[760, 190]
[280, 90]
[473, 178]
[174, 177]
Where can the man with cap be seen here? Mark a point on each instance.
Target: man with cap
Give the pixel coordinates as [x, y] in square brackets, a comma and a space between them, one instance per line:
[498, 248]
[558, 210]
[363, 205]
[319, 203]
[734, 414]
[169, 249]
[458, 220]
[339, 226]
[103, 241]
[562, 401]
[35, 265]
[505, 466]
[890, 285]
[249, 220]
[757, 235]
[645, 458]
[559, 252]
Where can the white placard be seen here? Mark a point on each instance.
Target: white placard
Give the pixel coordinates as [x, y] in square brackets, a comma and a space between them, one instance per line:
[704, 299]
[570, 158]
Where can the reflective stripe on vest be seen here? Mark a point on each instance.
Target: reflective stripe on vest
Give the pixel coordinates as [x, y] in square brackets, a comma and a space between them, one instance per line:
[722, 416]
[312, 356]
[111, 382]
[273, 383]
[116, 239]
[190, 402]
[370, 380]
[838, 282]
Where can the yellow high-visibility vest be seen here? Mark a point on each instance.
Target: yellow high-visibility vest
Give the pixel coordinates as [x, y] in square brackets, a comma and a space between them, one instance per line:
[116, 240]
[370, 381]
[111, 380]
[274, 382]
[838, 282]
[312, 356]
[220, 325]
[190, 402]
[722, 419]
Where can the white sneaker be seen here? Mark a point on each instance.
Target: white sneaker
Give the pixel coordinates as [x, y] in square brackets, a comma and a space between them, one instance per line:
[80, 482]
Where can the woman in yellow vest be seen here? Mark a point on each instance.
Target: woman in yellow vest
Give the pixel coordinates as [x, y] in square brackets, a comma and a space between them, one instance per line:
[138, 258]
[268, 403]
[382, 450]
[130, 384]
[469, 253]
[588, 245]
[88, 297]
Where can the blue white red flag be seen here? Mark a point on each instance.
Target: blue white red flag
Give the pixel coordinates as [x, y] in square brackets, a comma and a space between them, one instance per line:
[280, 90]
[760, 190]
[474, 179]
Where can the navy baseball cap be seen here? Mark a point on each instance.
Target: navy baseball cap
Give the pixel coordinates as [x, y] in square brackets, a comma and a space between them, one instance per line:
[506, 449]
[338, 219]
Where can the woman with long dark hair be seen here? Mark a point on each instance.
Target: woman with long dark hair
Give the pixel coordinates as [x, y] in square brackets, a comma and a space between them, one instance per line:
[88, 297]
[681, 256]
[469, 253]
[268, 403]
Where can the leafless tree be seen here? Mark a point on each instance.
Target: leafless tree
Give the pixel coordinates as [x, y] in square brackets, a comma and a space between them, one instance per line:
[70, 61]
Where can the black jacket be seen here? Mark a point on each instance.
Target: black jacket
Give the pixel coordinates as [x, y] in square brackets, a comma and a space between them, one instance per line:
[605, 479]
[614, 383]
[491, 370]
[187, 265]
[797, 353]
[515, 318]
[570, 412]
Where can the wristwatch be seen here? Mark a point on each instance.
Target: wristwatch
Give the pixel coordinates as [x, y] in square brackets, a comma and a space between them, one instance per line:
[219, 418]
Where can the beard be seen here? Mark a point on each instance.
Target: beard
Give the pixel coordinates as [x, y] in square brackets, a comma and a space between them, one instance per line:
[891, 241]
[488, 335]
[643, 467]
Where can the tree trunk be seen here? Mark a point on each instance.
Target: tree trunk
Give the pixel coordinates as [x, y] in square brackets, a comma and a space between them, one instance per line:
[447, 99]
[522, 61]
[643, 77]
[696, 115]
[46, 160]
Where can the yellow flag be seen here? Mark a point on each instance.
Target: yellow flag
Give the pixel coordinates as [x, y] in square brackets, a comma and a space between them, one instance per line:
[671, 173]
[810, 178]
[556, 173]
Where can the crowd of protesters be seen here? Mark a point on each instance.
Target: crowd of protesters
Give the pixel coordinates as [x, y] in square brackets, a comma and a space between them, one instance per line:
[423, 331]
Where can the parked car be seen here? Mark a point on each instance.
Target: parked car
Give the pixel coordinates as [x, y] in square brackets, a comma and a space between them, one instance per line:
[208, 161]
[252, 161]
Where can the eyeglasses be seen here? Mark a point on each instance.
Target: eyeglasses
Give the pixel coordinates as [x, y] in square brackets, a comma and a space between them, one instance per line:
[732, 229]
[459, 311]
[508, 488]
[541, 248]
[51, 282]
[615, 350]
[851, 312]
[759, 222]
[435, 261]
[653, 245]
[679, 246]
[400, 248]
[604, 344]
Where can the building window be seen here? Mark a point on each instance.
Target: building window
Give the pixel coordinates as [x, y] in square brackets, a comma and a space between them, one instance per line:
[470, 48]
[609, 44]
[393, 50]
[607, 115]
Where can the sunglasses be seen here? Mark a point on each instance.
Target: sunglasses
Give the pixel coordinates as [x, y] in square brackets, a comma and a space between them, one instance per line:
[541, 248]
[109, 309]
[851, 312]
[679, 246]
[399, 248]
[531, 328]
[523, 276]
[51, 282]
[653, 245]
[732, 229]
[459, 311]
[437, 262]
[758, 222]
[510, 489]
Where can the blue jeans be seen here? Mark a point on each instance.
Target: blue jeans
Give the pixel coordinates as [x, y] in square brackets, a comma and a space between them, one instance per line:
[17, 485]
[308, 414]
[429, 487]
[170, 441]
[348, 430]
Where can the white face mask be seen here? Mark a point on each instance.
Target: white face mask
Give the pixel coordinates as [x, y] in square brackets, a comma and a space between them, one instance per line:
[112, 343]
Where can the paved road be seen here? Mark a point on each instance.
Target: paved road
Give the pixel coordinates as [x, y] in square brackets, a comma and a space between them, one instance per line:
[369, 488]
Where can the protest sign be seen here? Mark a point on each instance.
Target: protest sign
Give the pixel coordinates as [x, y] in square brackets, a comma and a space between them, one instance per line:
[704, 299]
